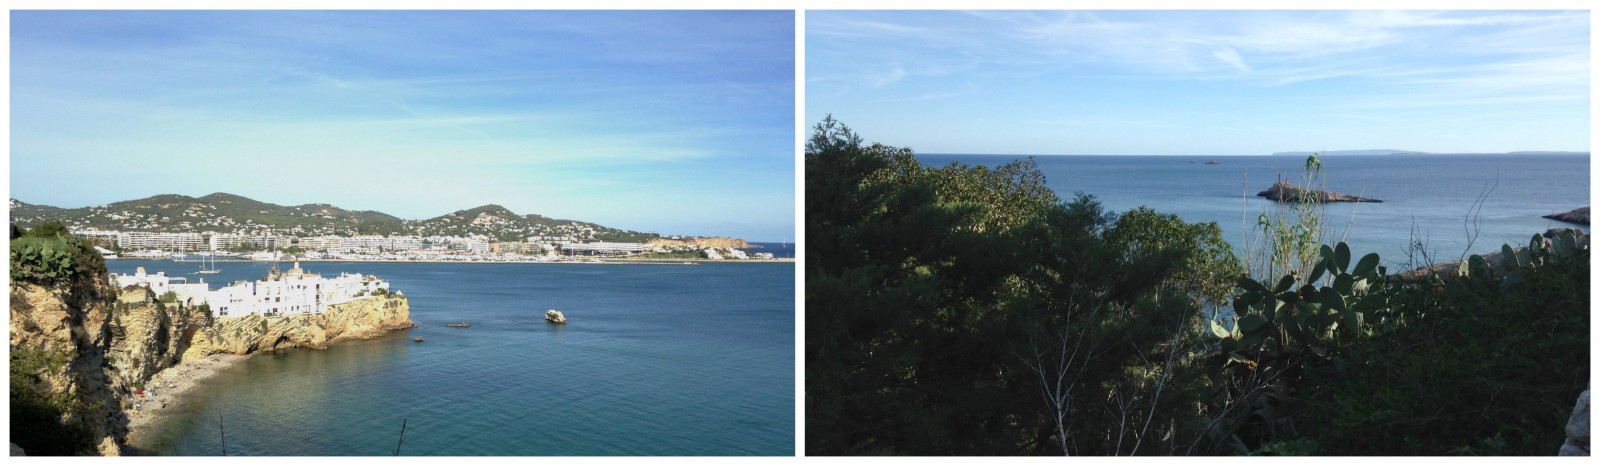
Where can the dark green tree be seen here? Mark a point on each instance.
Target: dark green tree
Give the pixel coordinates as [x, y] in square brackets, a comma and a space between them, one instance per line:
[937, 298]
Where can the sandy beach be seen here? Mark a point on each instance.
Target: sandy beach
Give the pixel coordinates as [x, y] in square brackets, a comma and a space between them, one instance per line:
[167, 390]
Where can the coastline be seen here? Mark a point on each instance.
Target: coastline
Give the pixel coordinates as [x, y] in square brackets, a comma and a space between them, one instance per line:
[599, 261]
[171, 386]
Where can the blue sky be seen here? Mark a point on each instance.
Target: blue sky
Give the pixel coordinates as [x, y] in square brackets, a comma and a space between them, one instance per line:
[1197, 83]
[672, 122]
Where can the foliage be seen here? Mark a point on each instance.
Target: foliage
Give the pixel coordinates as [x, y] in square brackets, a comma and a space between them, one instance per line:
[1299, 447]
[936, 298]
[1288, 238]
[47, 257]
[1488, 362]
[1106, 321]
[42, 424]
[1286, 332]
[169, 297]
[968, 310]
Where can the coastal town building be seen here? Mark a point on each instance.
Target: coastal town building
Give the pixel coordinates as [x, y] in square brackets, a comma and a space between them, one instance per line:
[292, 293]
[161, 284]
[225, 241]
[163, 241]
[602, 248]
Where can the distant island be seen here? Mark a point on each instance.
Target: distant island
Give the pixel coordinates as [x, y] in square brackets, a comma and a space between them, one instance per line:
[1334, 153]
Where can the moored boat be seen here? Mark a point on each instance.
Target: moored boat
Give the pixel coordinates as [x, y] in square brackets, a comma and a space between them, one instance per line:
[462, 324]
[418, 340]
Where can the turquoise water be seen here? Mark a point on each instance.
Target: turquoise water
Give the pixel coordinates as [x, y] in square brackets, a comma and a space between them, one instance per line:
[1430, 198]
[656, 360]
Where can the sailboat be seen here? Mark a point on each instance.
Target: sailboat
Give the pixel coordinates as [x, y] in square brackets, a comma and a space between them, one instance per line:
[210, 270]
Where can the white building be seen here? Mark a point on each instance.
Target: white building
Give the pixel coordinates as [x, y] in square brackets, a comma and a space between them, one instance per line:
[160, 284]
[164, 241]
[291, 293]
[602, 248]
[226, 241]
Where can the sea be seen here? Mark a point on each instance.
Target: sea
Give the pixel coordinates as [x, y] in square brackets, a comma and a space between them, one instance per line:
[656, 359]
[1450, 204]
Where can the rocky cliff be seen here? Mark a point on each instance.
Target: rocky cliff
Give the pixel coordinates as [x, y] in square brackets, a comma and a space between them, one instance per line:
[726, 243]
[360, 319]
[148, 336]
[61, 396]
[77, 352]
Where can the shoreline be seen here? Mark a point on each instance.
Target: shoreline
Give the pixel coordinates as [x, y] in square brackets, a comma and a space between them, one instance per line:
[171, 386]
[600, 261]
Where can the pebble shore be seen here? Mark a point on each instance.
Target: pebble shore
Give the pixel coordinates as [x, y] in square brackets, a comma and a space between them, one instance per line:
[170, 387]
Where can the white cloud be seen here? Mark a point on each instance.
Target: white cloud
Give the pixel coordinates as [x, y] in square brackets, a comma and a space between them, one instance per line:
[1229, 56]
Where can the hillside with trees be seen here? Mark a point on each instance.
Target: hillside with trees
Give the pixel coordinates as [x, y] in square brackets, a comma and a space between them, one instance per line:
[229, 213]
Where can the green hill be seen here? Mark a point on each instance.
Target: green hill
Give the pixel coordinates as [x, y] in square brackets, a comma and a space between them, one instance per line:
[230, 213]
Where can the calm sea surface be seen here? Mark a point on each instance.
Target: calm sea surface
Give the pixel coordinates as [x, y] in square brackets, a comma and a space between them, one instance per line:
[655, 360]
[1433, 193]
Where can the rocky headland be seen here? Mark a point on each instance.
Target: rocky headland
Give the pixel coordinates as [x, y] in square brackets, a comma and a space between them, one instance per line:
[712, 242]
[1579, 216]
[80, 353]
[1287, 193]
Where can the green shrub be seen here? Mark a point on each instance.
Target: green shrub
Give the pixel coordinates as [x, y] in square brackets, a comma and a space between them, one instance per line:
[1487, 363]
[46, 256]
[1485, 360]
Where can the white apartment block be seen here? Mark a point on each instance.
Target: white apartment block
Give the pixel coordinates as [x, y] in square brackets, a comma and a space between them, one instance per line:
[221, 241]
[292, 293]
[405, 243]
[160, 284]
[164, 241]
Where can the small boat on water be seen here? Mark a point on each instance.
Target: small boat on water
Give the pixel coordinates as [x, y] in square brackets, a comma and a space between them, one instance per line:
[418, 340]
[459, 325]
[1213, 162]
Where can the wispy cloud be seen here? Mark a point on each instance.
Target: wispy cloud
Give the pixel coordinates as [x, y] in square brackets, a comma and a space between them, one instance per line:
[1200, 63]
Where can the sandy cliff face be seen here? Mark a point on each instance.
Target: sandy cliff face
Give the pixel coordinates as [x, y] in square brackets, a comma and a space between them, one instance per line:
[65, 332]
[725, 243]
[364, 318]
[148, 336]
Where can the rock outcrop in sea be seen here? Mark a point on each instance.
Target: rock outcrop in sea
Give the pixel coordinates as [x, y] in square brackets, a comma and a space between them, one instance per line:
[555, 316]
[81, 351]
[1287, 193]
[1579, 216]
